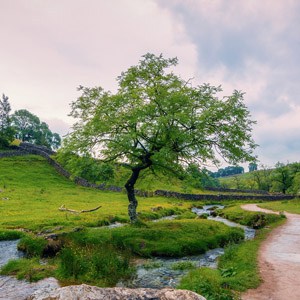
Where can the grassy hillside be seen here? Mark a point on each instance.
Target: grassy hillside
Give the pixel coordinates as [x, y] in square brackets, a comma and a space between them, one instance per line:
[32, 191]
[240, 181]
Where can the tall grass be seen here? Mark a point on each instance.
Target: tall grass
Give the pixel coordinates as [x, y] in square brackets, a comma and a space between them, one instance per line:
[103, 266]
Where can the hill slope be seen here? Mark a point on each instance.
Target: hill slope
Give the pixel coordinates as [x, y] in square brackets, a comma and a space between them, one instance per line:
[32, 191]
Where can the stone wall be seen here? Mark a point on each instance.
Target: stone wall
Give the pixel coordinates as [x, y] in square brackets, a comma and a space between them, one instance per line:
[225, 190]
[213, 197]
[44, 152]
[12, 153]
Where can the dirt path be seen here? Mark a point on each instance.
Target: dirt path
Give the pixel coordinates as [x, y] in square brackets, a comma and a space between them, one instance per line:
[279, 261]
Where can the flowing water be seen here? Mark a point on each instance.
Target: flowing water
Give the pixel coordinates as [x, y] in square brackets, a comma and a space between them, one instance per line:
[8, 251]
[162, 272]
[207, 210]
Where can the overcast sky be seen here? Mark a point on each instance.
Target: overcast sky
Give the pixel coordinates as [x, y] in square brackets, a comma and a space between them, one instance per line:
[50, 47]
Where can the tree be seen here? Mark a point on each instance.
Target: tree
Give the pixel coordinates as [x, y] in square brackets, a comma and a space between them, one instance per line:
[6, 131]
[229, 171]
[29, 128]
[25, 124]
[252, 167]
[200, 178]
[285, 177]
[156, 120]
[85, 166]
[282, 178]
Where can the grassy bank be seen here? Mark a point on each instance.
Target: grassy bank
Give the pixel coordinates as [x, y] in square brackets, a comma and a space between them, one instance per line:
[252, 219]
[292, 206]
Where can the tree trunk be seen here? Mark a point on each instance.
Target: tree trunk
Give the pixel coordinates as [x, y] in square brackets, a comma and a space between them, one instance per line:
[131, 195]
[146, 163]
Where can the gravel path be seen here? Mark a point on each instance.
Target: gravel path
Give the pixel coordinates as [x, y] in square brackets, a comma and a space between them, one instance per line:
[279, 261]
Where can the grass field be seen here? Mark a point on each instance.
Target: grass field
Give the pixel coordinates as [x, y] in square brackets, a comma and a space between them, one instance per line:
[32, 192]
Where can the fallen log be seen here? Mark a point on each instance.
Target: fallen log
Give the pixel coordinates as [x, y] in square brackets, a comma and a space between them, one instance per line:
[63, 208]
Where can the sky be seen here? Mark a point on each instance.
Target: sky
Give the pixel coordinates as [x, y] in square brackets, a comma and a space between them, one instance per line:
[50, 47]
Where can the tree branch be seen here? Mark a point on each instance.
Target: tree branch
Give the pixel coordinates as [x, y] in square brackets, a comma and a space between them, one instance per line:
[63, 208]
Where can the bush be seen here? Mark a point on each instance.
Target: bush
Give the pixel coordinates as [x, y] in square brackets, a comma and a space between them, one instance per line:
[86, 167]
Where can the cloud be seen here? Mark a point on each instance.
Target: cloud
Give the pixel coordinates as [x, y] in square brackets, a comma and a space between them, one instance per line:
[58, 126]
[251, 46]
[51, 47]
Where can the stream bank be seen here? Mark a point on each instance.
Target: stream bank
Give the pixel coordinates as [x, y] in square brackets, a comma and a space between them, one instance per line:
[10, 287]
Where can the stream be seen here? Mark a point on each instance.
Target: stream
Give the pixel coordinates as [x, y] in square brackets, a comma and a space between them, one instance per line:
[151, 273]
[163, 272]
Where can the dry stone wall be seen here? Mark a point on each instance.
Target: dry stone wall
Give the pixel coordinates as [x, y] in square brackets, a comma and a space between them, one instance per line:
[217, 189]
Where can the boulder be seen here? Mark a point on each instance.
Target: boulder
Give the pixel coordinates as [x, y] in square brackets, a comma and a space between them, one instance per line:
[87, 292]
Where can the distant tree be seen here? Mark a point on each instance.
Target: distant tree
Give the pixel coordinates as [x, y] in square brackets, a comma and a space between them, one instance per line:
[85, 166]
[252, 167]
[281, 178]
[200, 178]
[6, 131]
[29, 128]
[26, 125]
[156, 120]
[238, 182]
[286, 178]
[55, 141]
[262, 179]
[296, 184]
[228, 171]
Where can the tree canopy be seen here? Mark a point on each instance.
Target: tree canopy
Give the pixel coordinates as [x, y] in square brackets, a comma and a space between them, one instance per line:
[29, 128]
[228, 171]
[158, 120]
[6, 131]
